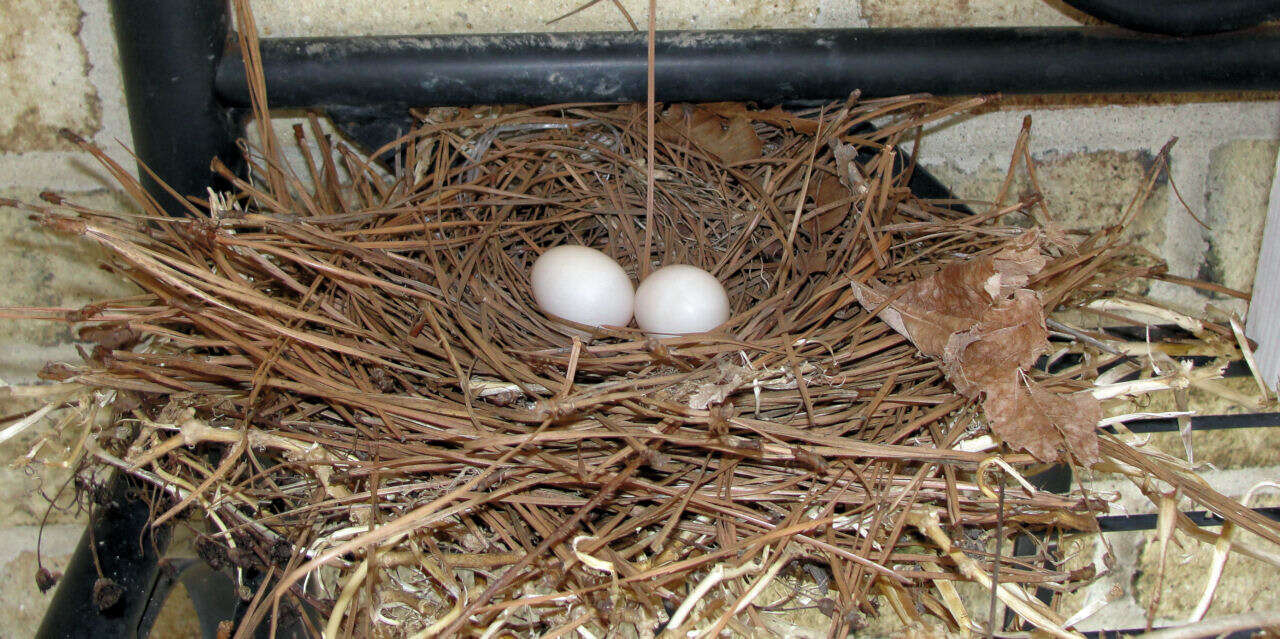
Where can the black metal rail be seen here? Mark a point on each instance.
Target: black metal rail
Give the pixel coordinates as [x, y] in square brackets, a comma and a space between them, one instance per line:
[169, 53]
[184, 84]
[107, 596]
[1206, 422]
[769, 66]
[1130, 523]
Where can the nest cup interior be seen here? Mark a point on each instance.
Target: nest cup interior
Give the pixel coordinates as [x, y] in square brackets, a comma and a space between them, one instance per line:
[595, 196]
[738, 198]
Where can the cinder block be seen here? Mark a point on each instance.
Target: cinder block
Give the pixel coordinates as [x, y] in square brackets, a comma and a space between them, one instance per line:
[967, 13]
[1239, 185]
[177, 619]
[339, 17]
[1247, 584]
[43, 268]
[24, 604]
[44, 76]
[1083, 191]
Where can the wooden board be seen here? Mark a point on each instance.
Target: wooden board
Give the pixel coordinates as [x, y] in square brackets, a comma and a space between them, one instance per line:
[1263, 322]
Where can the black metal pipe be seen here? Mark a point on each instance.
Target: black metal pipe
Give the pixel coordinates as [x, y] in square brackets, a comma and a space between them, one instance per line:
[1133, 632]
[126, 547]
[1202, 518]
[769, 66]
[1181, 17]
[1203, 423]
[169, 53]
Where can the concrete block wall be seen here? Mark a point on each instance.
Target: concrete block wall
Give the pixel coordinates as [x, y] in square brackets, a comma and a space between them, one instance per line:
[58, 68]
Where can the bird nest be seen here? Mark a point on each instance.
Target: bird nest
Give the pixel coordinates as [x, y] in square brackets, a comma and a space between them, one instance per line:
[341, 369]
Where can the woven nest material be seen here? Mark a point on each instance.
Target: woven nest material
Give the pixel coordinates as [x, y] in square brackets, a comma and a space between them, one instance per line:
[343, 371]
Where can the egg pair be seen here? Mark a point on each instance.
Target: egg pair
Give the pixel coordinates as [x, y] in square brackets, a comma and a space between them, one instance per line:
[583, 285]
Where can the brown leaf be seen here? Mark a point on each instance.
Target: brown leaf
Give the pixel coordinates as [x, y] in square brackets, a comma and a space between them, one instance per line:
[731, 139]
[965, 297]
[777, 116]
[1008, 337]
[986, 329]
[1018, 261]
[46, 579]
[826, 190]
[1044, 423]
[106, 593]
[930, 311]
[111, 336]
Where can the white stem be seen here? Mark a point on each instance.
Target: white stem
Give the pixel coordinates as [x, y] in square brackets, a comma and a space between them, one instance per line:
[718, 574]
[1137, 387]
[349, 591]
[16, 428]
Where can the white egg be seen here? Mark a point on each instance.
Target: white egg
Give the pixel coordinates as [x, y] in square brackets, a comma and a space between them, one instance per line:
[583, 285]
[680, 299]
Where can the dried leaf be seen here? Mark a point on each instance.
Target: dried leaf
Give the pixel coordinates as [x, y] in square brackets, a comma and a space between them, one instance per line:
[809, 460]
[1046, 424]
[46, 579]
[1009, 337]
[716, 390]
[106, 593]
[846, 157]
[731, 139]
[985, 328]
[825, 191]
[111, 336]
[775, 116]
